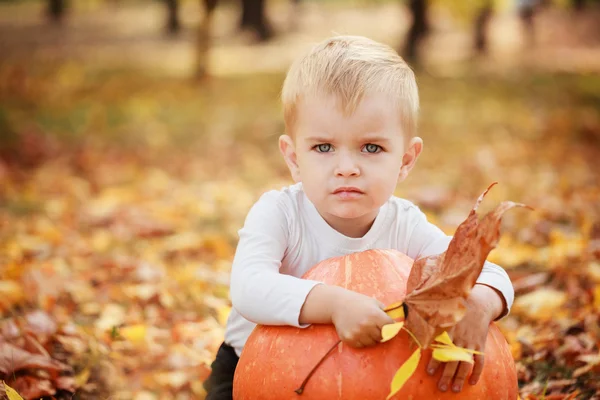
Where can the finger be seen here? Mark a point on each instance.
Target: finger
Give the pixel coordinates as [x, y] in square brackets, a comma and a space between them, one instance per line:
[433, 366]
[375, 334]
[352, 341]
[384, 320]
[367, 341]
[461, 376]
[477, 368]
[349, 340]
[447, 375]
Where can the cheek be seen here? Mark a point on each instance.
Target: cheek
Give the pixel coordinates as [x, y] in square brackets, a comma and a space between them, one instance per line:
[311, 164]
[385, 183]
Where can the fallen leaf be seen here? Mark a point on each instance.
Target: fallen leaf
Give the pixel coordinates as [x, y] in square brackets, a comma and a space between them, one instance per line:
[444, 338]
[173, 379]
[134, 333]
[390, 331]
[144, 291]
[597, 298]
[448, 351]
[395, 311]
[405, 372]
[11, 393]
[33, 388]
[223, 314]
[439, 285]
[68, 383]
[530, 282]
[82, 377]
[145, 395]
[541, 304]
[11, 294]
[112, 315]
[446, 354]
[13, 359]
[40, 322]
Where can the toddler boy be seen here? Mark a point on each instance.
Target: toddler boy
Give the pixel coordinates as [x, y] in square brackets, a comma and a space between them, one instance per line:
[350, 110]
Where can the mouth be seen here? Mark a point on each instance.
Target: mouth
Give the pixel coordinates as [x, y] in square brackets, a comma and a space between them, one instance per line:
[347, 189]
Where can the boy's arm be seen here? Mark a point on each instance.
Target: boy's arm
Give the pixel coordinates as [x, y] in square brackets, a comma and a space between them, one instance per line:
[319, 305]
[427, 239]
[259, 292]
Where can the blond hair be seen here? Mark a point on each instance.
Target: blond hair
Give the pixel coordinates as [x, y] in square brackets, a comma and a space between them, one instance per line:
[351, 67]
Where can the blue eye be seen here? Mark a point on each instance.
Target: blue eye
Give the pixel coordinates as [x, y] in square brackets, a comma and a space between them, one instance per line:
[323, 148]
[372, 148]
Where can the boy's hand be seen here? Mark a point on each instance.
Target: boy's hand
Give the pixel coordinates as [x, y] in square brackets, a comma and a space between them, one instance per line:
[358, 319]
[483, 306]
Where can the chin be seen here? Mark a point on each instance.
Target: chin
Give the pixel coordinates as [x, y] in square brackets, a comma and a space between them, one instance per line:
[348, 212]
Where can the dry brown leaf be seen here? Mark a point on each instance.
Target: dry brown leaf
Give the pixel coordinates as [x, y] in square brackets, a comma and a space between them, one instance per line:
[66, 383]
[439, 285]
[13, 359]
[40, 323]
[30, 387]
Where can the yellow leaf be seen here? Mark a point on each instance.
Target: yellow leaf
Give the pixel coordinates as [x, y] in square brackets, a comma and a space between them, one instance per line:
[219, 245]
[541, 304]
[405, 372]
[443, 346]
[449, 346]
[593, 271]
[445, 354]
[395, 310]
[393, 305]
[134, 333]
[82, 378]
[223, 314]
[597, 298]
[12, 393]
[390, 330]
[444, 338]
[11, 293]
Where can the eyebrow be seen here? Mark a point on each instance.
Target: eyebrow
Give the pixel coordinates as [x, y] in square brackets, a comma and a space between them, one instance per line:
[379, 139]
[367, 138]
[317, 139]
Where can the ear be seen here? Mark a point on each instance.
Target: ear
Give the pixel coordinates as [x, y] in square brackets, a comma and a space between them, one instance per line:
[415, 146]
[286, 146]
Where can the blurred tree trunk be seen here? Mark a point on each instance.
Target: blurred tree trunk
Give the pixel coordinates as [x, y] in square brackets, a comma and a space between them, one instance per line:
[482, 21]
[173, 24]
[418, 29]
[527, 15]
[56, 10]
[254, 18]
[203, 39]
[578, 4]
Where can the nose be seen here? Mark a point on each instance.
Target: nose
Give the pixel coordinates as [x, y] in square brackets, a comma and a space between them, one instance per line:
[346, 165]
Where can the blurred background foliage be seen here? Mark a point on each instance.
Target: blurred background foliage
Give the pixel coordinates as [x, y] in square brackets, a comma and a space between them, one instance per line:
[136, 134]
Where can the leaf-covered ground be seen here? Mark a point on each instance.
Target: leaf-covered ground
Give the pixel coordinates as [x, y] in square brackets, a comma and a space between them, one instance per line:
[121, 193]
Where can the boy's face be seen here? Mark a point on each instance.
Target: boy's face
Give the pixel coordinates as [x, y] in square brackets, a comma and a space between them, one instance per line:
[349, 165]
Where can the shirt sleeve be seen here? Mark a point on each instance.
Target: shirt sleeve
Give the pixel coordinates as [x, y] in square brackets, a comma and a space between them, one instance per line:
[427, 239]
[259, 292]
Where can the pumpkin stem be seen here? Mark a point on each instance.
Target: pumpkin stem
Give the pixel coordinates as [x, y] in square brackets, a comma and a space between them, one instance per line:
[312, 371]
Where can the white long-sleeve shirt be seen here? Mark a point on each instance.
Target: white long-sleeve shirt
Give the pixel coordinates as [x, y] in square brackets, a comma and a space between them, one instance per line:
[284, 236]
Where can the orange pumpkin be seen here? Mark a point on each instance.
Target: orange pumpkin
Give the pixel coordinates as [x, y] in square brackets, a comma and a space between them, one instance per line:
[276, 359]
